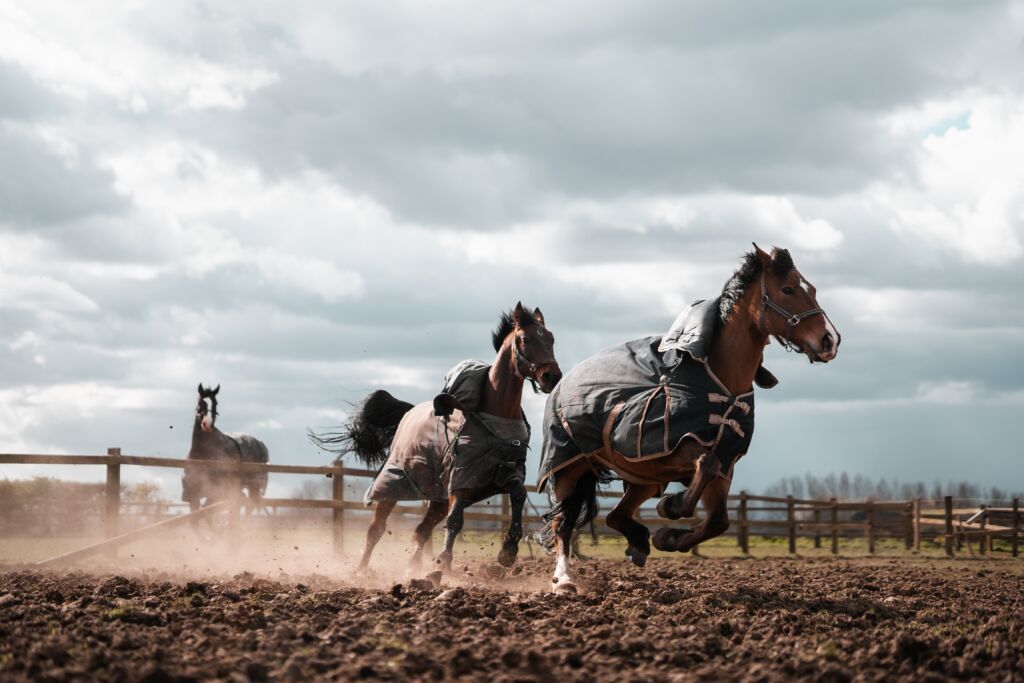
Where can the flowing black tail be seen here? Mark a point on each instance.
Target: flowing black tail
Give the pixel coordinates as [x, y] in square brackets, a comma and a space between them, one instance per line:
[580, 507]
[368, 433]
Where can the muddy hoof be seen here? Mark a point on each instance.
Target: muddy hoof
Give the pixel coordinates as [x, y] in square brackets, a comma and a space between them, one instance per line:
[564, 587]
[667, 540]
[666, 508]
[636, 556]
[507, 558]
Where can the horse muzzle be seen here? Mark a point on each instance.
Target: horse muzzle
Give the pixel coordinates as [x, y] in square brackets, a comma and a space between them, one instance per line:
[548, 377]
[827, 347]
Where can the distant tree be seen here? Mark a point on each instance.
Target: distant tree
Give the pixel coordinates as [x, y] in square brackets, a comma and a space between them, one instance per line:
[822, 488]
[844, 485]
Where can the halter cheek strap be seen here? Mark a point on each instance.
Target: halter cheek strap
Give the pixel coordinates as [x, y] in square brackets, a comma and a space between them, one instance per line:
[518, 358]
[791, 319]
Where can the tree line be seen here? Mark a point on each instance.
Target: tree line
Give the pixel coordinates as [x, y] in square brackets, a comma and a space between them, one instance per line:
[860, 487]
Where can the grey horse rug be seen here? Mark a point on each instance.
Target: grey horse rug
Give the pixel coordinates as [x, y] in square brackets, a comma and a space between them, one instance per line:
[640, 399]
[432, 456]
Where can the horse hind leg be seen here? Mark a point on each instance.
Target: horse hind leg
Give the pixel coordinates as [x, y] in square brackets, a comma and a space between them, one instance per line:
[683, 504]
[622, 518]
[425, 530]
[575, 490]
[378, 525]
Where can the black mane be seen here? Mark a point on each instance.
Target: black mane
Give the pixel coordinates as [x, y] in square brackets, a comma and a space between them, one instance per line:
[507, 323]
[750, 268]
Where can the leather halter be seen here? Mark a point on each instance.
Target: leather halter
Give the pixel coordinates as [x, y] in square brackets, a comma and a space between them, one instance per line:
[518, 357]
[791, 319]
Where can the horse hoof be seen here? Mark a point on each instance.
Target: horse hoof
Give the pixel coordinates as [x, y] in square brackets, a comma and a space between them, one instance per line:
[565, 587]
[636, 556]
[507, 558]
[665, 508]
[664, 539]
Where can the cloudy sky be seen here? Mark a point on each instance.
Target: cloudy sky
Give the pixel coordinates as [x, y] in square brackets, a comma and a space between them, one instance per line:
[305, 201]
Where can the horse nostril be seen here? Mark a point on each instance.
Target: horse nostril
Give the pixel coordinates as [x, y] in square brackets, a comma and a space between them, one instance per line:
[826, 342]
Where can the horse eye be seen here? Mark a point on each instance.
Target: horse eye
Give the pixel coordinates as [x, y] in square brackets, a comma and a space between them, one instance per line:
[787, 290]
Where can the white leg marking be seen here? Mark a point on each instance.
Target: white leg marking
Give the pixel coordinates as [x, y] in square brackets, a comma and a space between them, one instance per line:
[562, 571]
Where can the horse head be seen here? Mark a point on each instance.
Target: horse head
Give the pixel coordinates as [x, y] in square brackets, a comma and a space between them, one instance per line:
[533, 349]
[788, 308]
[206, 408]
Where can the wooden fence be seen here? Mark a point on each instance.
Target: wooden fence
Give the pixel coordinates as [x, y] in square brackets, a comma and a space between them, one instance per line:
[751, 515]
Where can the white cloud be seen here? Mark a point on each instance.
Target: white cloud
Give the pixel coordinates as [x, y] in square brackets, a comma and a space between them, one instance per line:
[187, 191]
[969, 190]
[112, 59]
[40, 292]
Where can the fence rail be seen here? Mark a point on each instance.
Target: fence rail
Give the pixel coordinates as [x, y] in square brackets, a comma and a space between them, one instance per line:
[912, 521]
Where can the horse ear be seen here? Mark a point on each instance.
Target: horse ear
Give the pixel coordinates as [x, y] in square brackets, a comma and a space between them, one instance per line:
[214, 392]
[763, 256]
[517, 312]
[538, 316]
[200, 387]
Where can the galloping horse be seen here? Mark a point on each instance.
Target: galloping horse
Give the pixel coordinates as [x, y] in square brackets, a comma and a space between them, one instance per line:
[204, 485]
[677, 408]
[466, 445]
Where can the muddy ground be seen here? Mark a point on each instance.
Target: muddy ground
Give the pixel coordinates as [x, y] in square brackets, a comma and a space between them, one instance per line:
[681, 619]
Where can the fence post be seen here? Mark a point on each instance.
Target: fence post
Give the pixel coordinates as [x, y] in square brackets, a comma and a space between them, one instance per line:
[791, 518]
[112, 509]
[949, 525]
[983, 540]
[338, 513]
[817, 527]
[744, 529]
[908, 526]
[1016, 526]
[835, 525]
[871, 527]
[917, 525]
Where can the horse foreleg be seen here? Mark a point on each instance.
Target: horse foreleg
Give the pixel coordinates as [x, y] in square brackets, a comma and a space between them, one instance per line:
[716, 503]
[622, 518]
[378, 525]
[510, 546]
[683, 504]
[425, 530]
[453, 527]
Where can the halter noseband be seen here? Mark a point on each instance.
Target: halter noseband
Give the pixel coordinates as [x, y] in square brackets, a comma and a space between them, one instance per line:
[791, 320]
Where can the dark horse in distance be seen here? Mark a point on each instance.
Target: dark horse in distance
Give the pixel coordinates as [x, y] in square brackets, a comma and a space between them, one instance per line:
[203, 485]
[675, 408]
[466, 445]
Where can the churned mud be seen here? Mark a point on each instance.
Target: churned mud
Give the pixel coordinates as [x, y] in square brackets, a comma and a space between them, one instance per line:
[680, 619]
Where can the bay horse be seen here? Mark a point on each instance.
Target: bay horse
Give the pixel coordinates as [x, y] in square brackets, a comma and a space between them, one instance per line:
[459, 449]
[598, 425]
[201, 485]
